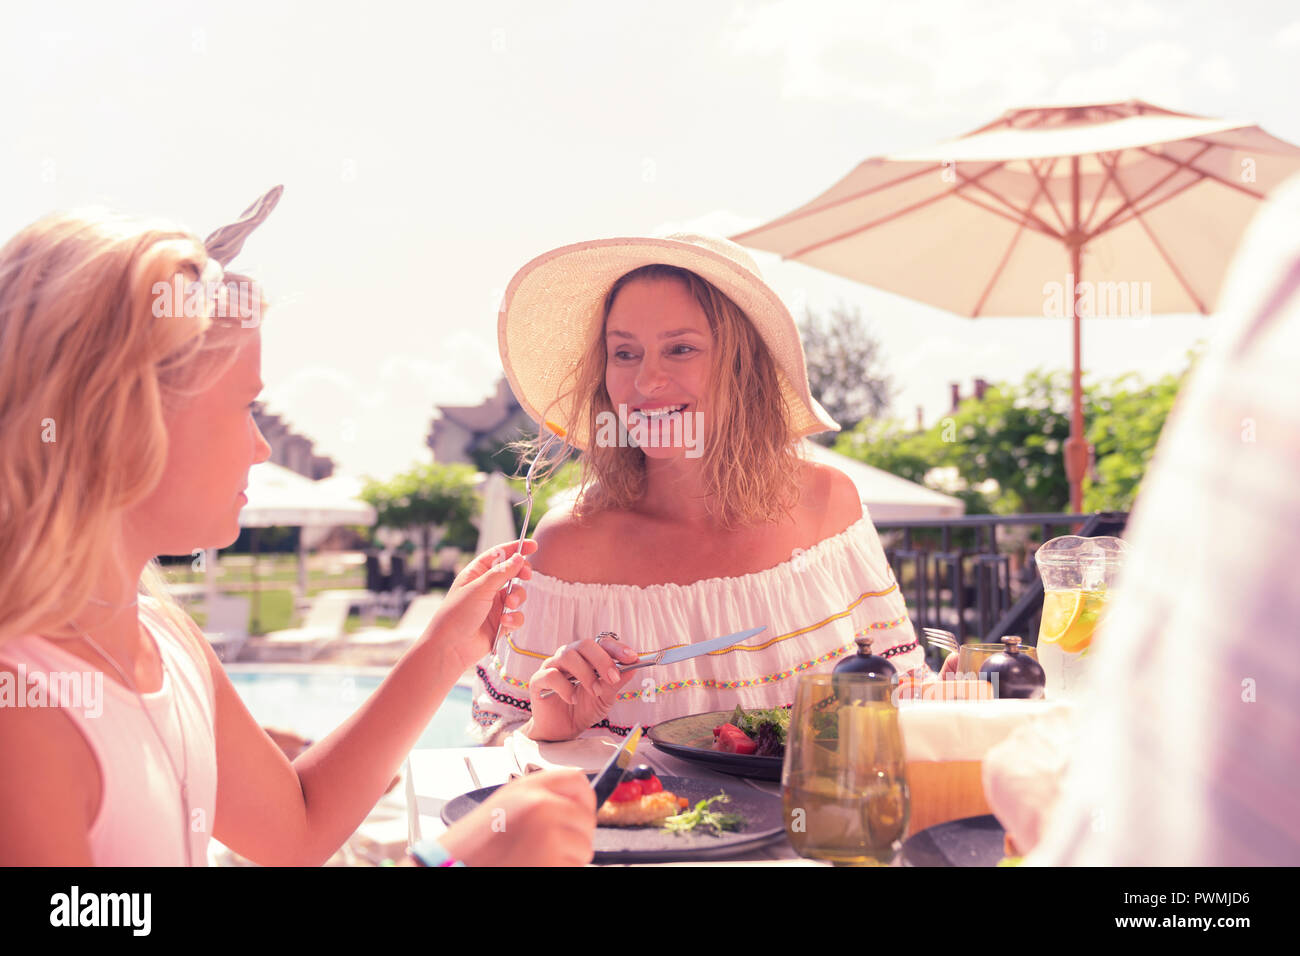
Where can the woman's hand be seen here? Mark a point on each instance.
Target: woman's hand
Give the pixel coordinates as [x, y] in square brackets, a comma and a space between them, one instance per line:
[466, 622]
[543, 819]
[949, 669]
[572, 708]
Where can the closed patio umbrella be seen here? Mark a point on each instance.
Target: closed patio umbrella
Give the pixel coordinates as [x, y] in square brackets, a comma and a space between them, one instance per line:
[496, 523]
[1101, 209]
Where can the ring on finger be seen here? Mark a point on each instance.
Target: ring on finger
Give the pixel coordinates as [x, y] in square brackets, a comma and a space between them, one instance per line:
[604, 634]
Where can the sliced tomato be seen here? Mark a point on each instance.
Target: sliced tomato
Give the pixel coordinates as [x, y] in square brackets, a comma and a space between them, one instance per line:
[651, 785]
[627, 790]
[731, 739]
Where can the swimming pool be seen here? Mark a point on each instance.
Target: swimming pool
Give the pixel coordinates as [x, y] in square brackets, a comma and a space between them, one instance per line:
[313, 700]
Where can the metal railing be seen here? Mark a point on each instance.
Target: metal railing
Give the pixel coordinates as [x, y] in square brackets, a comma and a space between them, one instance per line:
[957, 575]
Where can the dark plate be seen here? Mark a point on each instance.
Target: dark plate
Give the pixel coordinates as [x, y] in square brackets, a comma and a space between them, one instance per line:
[691, 738]
[763, 824]
[973, 841]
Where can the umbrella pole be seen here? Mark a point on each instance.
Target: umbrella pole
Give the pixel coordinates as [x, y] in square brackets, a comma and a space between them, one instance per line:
[257, 595]
[302, 564]
[1076, 446]
[1076, 449]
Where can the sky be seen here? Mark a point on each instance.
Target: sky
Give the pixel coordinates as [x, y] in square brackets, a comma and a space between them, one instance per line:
[428, 151]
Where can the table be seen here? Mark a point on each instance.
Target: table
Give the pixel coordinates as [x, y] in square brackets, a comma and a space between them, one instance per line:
[437, 776]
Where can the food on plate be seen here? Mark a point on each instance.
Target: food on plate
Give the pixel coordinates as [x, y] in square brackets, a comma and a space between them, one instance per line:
[704, 817]
[758, 732]
[639, 800]
[731, 739]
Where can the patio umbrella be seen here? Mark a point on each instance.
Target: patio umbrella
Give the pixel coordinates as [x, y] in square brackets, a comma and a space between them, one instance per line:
[886, 497]
[1103, 209]
[278, 496]
[496, 523]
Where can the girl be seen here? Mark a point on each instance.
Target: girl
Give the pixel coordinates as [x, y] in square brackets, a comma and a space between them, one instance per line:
[679, 374]
[127, 433]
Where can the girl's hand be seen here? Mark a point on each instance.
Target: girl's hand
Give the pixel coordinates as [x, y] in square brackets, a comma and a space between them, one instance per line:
[466, 622]
[543, 819]
[570, 709]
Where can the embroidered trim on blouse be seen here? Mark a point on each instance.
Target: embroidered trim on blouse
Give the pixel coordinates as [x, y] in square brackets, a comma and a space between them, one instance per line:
[496, 695]
[900, 649]
[884, 626]
[741, 683]
[881, 625]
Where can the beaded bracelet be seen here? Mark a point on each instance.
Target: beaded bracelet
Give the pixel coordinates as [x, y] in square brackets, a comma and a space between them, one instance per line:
[432, 853]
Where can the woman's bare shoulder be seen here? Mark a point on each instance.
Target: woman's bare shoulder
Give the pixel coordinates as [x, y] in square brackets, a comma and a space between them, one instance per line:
[571, 545]
[829, 498]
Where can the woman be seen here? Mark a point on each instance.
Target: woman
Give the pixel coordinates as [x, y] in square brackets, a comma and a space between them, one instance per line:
[712, 525]
[128, 433]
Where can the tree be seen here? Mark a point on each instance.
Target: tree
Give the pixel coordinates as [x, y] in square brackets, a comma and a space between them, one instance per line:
[545, 490]
[491, 454]
[1012, 438]
[1127, 420]
[845, 370]
[426, 498]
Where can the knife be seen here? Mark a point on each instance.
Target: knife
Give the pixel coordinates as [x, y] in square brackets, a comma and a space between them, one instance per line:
[674, 655]
[609, 777]
[684, 652]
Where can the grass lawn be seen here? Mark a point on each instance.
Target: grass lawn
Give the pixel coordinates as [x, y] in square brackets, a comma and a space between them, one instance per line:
[275, 613]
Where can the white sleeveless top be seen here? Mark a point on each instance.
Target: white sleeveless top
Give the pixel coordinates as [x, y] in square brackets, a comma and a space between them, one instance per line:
[813, 605]
[141, 819]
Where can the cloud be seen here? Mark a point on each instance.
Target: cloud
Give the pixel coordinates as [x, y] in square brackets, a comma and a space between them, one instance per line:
[378, 425]
[941, 58]
[1288, 38]
[719, 222]
[916, 60]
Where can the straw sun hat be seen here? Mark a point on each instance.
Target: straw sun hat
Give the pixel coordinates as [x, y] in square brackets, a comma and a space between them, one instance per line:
[553, 305]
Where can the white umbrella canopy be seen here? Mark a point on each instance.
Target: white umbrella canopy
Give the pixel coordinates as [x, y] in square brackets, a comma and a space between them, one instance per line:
[979, 224]
[496, 524]
[886, 497]
[278, 496]
[1120, 209]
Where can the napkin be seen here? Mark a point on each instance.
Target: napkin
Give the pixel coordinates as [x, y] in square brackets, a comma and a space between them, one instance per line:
[966, 729]
[590, 751]
[1022, 775]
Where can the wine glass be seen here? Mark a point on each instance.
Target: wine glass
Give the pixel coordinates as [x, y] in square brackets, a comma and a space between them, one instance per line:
[844, 782]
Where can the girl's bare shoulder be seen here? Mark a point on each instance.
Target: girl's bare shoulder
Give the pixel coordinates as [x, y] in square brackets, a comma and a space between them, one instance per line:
[59, 785]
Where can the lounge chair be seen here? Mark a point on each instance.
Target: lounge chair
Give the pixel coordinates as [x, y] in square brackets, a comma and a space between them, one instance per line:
[389, 641]
[322, 628]
[227, 626]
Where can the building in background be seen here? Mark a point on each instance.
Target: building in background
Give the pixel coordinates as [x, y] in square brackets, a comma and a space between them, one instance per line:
[468, 433]
[290, 450]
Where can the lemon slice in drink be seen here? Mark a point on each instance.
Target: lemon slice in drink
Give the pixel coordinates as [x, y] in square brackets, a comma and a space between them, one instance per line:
[1060, 611]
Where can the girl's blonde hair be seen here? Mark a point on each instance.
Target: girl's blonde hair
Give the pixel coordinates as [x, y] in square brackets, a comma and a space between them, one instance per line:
[750, 460]
[93, 354]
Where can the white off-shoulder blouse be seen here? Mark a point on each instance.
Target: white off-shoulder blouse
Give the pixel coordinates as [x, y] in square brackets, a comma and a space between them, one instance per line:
[814, 605]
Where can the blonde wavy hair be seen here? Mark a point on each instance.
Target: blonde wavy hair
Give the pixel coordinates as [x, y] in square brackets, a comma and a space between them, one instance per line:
[88, 370]
[750, 460]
